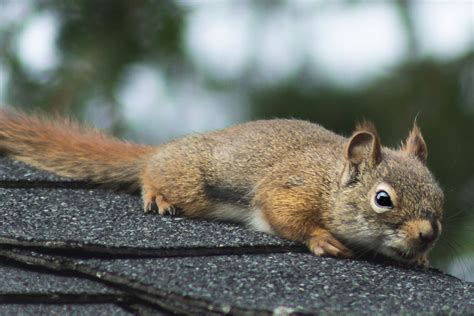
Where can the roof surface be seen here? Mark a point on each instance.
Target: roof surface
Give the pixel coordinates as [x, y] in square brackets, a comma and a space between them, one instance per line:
[66, 248]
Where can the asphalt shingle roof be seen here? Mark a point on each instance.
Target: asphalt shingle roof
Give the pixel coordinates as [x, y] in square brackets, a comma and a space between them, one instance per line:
[88, 218]
[68, 249]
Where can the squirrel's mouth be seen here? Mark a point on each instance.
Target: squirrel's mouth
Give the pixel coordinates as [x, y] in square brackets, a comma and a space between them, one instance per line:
[404, 255]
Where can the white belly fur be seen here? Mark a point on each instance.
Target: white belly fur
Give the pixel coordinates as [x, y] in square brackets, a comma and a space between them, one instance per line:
[253, 218]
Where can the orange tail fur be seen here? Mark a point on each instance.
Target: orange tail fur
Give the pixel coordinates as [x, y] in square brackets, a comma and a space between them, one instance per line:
[67, 149]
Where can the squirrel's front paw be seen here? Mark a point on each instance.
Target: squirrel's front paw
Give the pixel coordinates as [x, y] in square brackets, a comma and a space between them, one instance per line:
[153, 202]
[323, 243]
[423, 262]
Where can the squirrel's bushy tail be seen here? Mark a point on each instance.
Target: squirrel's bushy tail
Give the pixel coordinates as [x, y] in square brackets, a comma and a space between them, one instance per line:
[67, 149]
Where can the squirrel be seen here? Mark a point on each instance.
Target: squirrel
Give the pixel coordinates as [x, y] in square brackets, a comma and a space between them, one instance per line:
[287, 177]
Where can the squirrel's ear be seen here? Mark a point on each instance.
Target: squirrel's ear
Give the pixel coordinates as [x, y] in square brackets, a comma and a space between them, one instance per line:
[364, 146]
[415, 145]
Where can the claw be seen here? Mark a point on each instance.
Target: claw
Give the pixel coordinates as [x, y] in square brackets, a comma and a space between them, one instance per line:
[153, 202]
[164, 207]
[149, 204]
[172, 210]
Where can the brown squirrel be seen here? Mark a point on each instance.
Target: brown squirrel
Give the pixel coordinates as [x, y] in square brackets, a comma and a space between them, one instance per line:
[288, 177]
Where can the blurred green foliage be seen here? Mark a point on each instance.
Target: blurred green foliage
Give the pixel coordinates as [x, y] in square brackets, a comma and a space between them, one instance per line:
[98, 40]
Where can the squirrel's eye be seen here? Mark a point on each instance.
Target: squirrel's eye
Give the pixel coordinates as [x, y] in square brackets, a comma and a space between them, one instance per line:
[382, 199]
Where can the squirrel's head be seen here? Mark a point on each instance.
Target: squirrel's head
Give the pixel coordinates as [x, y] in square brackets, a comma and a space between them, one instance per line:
[388, 201]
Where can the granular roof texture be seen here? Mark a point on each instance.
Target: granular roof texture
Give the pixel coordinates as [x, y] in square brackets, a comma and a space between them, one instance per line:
[66, 248]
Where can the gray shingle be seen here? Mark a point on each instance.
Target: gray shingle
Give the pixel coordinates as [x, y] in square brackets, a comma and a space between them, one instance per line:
[189, 279]
[16, 280]
[86, 218]
[62, 309]
[11, 170]
[277, 282]
[300, 282]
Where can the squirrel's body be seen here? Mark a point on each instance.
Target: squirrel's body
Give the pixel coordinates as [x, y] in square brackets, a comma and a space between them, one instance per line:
[227, 169]
[288, 177]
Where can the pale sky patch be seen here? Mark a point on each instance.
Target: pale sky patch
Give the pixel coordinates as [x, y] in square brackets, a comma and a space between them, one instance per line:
[277, 46]
[218, 38]
[36, 44]
[13, 11]
[160, 111]
[352, 43]
[445, 28]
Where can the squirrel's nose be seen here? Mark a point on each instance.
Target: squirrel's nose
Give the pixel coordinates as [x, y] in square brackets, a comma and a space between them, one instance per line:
[427, 237]
[428, 231]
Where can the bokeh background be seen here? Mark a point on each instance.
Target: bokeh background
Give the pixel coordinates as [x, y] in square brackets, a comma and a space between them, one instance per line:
[154, 70]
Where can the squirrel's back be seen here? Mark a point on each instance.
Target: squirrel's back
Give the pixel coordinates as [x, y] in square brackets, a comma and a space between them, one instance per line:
[242, 154]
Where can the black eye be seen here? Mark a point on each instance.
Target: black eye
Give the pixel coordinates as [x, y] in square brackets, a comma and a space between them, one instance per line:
[382, 199]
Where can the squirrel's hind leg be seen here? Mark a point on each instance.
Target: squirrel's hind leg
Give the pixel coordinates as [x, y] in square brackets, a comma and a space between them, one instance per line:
[173, 183]
[155, 202]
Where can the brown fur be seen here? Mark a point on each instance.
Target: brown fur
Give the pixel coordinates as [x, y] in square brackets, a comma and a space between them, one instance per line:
[309, 184]
[366, 126]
